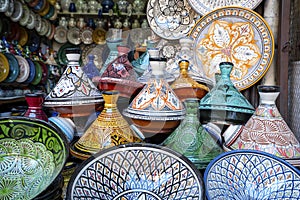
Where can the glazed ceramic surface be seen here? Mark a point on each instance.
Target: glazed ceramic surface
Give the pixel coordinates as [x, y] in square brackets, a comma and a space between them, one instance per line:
[171, 19]
[224, 104]
[109, 129]
[237, 35]
[267, 131]
[73, 36]
[186, 52]
[192, 140]
[96, 51]
[14, 69]
[248, 174]
[186, 87]
[24, 69]
[60, 35]
[90, 68]
[4, 67]
[35, 109]
[206, 6]
[136, 171]
[33, 153]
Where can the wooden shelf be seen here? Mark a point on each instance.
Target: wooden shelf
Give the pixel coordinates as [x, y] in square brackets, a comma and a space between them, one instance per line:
[72, 14]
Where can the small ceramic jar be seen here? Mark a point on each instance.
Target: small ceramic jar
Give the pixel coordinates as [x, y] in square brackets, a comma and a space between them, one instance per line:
[126, 24]
[72, 22]
[81, 23]
[63, 21]
[144, 24]
[136, 24]
[118, 24]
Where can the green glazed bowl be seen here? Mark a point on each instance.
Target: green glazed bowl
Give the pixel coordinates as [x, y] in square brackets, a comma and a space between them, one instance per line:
[32, 155]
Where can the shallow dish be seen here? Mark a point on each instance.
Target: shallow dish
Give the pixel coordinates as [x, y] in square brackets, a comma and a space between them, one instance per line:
[249, 174]
[14, 69]
[136, 171]
[33, 153]
[250, 50]
[24, 69]
[4, 67]
[171, 19]
[60, 35]
[73, 36]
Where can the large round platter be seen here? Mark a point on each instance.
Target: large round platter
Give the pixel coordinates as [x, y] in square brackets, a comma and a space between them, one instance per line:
[24, 69]
[38, 73]
[4, 67]
[33, 154]
[31, 20]
[170, 19]
[14, 69]
[25, 17]
[61, 54]
[250, 174]
[136, 171]
[86, 35]
[32, 71]
[18, 11]
[4, 5]
[205, 6]
[10, 8]
[237, 35]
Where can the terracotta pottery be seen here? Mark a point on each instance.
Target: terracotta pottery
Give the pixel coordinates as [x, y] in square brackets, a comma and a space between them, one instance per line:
[267, 131]
[109, 129]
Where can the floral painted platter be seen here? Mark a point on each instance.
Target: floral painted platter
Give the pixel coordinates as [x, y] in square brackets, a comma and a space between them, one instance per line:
[136, 171]
[250, 174]
[33, 153]
[171, 19]
[237, 35]
[205, 6]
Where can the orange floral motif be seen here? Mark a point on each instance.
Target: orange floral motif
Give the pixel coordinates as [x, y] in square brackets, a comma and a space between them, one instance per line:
[232, 42]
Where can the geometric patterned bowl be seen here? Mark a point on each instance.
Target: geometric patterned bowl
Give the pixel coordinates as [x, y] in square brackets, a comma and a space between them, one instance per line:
[136, 171]
[250, 174]
[32, 154]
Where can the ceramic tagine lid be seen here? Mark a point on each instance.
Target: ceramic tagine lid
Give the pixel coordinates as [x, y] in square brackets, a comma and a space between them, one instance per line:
[224, 104]
[267, 131]
[109, 129]
[195, 71]
[120, 75]
[191, 139]
[156, 102]
[186, 87]
[154, 53]
[74, 88]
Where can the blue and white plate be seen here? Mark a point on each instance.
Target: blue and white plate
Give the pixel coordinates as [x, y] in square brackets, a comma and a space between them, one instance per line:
[250, 174]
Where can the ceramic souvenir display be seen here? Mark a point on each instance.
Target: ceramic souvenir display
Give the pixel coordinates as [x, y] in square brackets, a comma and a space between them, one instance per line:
[14, 69]
[249, 174]
[206, 6]
[186, 52]
[109, 129]
[155, 54]
[192, 140]
[74, 96]
[224, 104]
[53, 191]
[122, 5]
[33, 155]
[113, 53]
[267, 131]
[107, 5]
[24, 69]
[35, 106]
[65, 125]
[136, 171]
[237, 35]
[120, 75]
[90, 68]
[170, 22]
[185, 87]
[156, 110]
[4, 67]
[97, 51]
[141, 64]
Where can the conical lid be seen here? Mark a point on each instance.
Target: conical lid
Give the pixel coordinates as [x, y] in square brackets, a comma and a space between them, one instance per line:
[186, 87]
[157, 100]
[267, 131]
[109, 129]
[74, 87]
[192, 140]
[224, 104]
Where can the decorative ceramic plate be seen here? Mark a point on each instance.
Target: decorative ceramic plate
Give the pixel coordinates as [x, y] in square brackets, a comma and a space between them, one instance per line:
[61, 34]
[24, 69]
[62, 58]
[86, 35]
[38, 23]
[38, 74]
[97, 51]
[32, 71]
[170, 19]
[4, 5]
[237, 35]
[25, 17]
[249, 174]
[4, 67]
[14, 69]
[73, 36]
[99, 35]
[44, 72]
[18, 11]
[31, 20]
[23, 36]
[45, 27]
[136, 171]
[33, 153]
[10, 9]
[205, 6]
